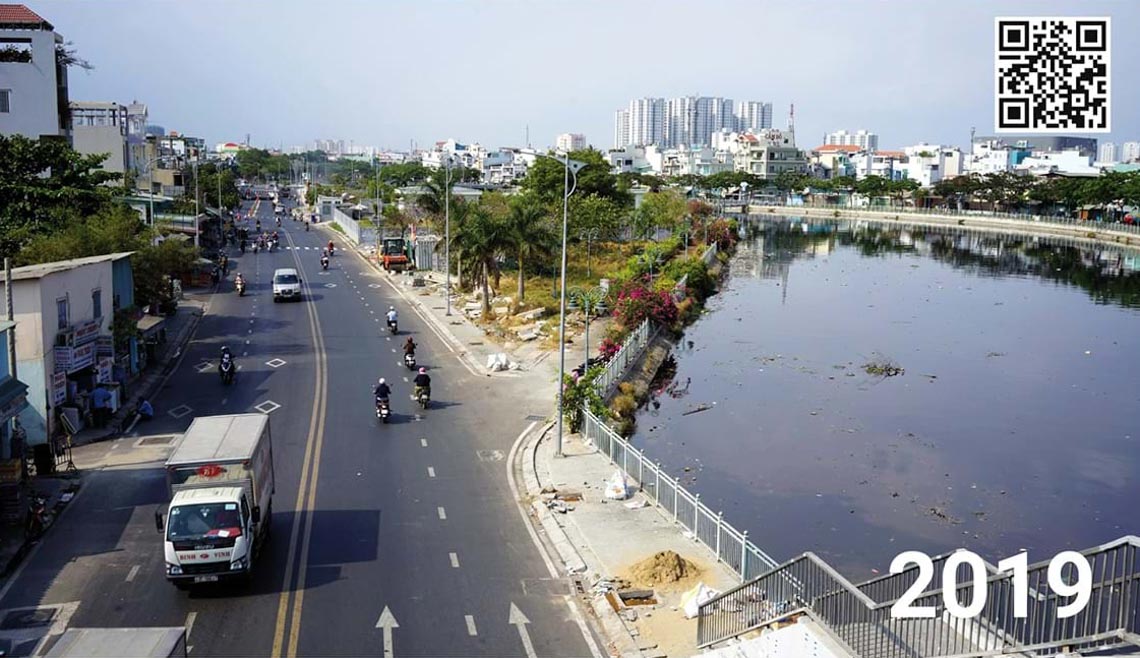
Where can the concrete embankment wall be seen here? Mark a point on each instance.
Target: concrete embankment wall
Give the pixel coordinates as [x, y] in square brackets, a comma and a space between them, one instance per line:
[1090, 232]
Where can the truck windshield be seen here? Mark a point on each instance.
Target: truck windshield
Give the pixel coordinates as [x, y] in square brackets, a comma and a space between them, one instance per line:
[204, 521]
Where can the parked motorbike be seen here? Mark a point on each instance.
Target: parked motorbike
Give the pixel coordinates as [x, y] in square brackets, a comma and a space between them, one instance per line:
[383, 410]
[410, 361]
[227, 371]
[39, 518]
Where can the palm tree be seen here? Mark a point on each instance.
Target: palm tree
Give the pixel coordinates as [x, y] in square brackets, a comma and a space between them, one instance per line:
[433, 198]
[528, 235]
[483, 237]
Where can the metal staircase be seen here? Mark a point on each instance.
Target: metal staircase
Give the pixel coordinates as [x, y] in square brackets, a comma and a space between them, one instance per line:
[858, 617]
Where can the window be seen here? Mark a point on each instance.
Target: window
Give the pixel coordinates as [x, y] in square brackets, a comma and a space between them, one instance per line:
[5, 101]
[61, 309]
[97, 303]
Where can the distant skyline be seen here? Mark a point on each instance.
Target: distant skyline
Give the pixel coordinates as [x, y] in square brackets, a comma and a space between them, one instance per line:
[385, 74]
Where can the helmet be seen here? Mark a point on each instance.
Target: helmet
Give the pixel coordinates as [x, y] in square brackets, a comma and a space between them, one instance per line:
[423, 371]
[381, 381]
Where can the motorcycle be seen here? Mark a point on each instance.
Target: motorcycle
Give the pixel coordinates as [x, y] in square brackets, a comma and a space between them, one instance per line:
[240, 285]
[392, 326]
[423, 397]
[324, 262]
[38, 519]
[383, 411]
[410, 361]
[227, 371]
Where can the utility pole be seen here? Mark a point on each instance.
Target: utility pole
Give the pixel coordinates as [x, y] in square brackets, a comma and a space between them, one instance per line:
[10, 315]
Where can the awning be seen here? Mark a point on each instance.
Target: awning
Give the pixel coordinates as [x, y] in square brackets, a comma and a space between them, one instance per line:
[150, 325]
[13, 398]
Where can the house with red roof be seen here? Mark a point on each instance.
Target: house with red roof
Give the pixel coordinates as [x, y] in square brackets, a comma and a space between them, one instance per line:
[33, 76]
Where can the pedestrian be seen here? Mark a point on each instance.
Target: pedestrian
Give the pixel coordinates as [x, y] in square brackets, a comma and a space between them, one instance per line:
[145, 410]
[101, 406]
[215, 276]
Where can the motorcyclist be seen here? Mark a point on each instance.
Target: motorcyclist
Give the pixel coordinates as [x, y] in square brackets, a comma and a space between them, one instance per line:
[239, 280]
[410, 347]
[259, 226]
[382, 390]
[391, 315]
[331, 247]
[227, 357]
[423, 383]
[325, 261]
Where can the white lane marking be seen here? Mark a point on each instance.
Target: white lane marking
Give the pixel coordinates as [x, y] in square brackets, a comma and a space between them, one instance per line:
[470, 625]
[190, 617]
[247, 342]
[442, 513]
[114, 446]
[132, 573]
[393, 350]
[454, 560]
[405, 379]
[423, 442]
[431, 471]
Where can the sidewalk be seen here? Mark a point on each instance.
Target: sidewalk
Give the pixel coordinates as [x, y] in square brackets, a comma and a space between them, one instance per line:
[179, 328]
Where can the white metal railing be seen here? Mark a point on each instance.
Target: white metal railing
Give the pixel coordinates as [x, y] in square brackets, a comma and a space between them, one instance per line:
[710, 254]
[631, 349]
[731, 546]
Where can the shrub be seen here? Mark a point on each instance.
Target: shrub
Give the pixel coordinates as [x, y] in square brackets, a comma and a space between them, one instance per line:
[608, 348]
[624, 406]
[636, 301]
[579, 393]
[723, 233]
[699, 283]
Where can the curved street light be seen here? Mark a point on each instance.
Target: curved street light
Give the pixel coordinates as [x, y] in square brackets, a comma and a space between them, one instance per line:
[588, 299]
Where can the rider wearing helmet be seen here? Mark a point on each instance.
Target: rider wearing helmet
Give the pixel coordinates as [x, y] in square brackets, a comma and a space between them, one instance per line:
[382, 391]
[391, 314]
[422, 382]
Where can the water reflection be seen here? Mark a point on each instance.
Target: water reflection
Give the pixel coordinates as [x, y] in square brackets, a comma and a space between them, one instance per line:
[1110, 274]
[1014, 426]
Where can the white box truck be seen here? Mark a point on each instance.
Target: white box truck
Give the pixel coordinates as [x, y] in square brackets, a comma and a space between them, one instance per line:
[220, 481]
[157, 642]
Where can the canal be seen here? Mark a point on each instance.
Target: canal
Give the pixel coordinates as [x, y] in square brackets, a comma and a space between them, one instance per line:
[1014, 422]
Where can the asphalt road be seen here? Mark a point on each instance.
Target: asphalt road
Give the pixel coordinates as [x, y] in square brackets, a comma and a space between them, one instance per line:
[415, 516]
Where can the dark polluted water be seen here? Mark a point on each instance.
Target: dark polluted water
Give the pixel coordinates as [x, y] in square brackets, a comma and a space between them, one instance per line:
[1014, 424]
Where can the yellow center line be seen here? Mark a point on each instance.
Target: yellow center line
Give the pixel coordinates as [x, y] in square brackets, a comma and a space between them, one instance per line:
[308, 485]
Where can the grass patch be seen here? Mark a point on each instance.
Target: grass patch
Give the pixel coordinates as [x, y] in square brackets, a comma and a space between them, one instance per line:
[336, 227]
[606, 260]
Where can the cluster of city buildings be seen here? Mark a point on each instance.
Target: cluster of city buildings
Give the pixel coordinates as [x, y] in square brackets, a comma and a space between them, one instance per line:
[688, 121]
[35, 103]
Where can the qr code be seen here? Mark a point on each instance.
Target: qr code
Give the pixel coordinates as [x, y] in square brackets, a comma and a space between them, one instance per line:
[1052, 74]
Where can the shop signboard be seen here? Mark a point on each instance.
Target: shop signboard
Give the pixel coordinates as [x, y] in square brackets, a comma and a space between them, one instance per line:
[105, 346]
[58, 389]
[105, 370]
[86, 332]
[71, 359]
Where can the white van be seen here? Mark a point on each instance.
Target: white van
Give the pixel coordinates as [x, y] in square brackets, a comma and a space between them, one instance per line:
[286, 284]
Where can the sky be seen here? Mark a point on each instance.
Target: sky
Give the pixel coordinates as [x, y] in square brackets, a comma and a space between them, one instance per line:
[386, 72]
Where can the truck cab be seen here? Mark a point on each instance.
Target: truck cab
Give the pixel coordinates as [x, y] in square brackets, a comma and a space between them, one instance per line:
[210, 534]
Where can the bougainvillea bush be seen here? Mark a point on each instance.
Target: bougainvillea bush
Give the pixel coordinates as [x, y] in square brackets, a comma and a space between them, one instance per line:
[637, 300]
[608, 348]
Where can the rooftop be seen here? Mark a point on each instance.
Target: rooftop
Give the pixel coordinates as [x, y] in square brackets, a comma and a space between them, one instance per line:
[44, 269]
[20, 17]
[829, 148]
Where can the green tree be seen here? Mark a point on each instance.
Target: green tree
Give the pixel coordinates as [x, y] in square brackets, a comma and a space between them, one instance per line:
[43, 184]
[659, 210]
[483, 236]
[873, 186]
[153, 266]
[546, 178]
[593, 212]
[114, 228]
[529, 233]
[788, 181]
[404, 174]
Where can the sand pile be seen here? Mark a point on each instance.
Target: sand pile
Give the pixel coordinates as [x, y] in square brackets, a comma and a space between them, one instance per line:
[663, 569]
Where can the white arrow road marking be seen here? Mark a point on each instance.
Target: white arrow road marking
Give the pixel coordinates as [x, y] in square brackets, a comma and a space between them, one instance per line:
[132, 573]
[442, 514]
[470, 625]
[387, 622]
[517, 618]
[454, 560]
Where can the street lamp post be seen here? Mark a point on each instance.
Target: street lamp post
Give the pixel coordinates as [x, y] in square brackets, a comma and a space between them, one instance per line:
[447, 232]
[568, 190]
